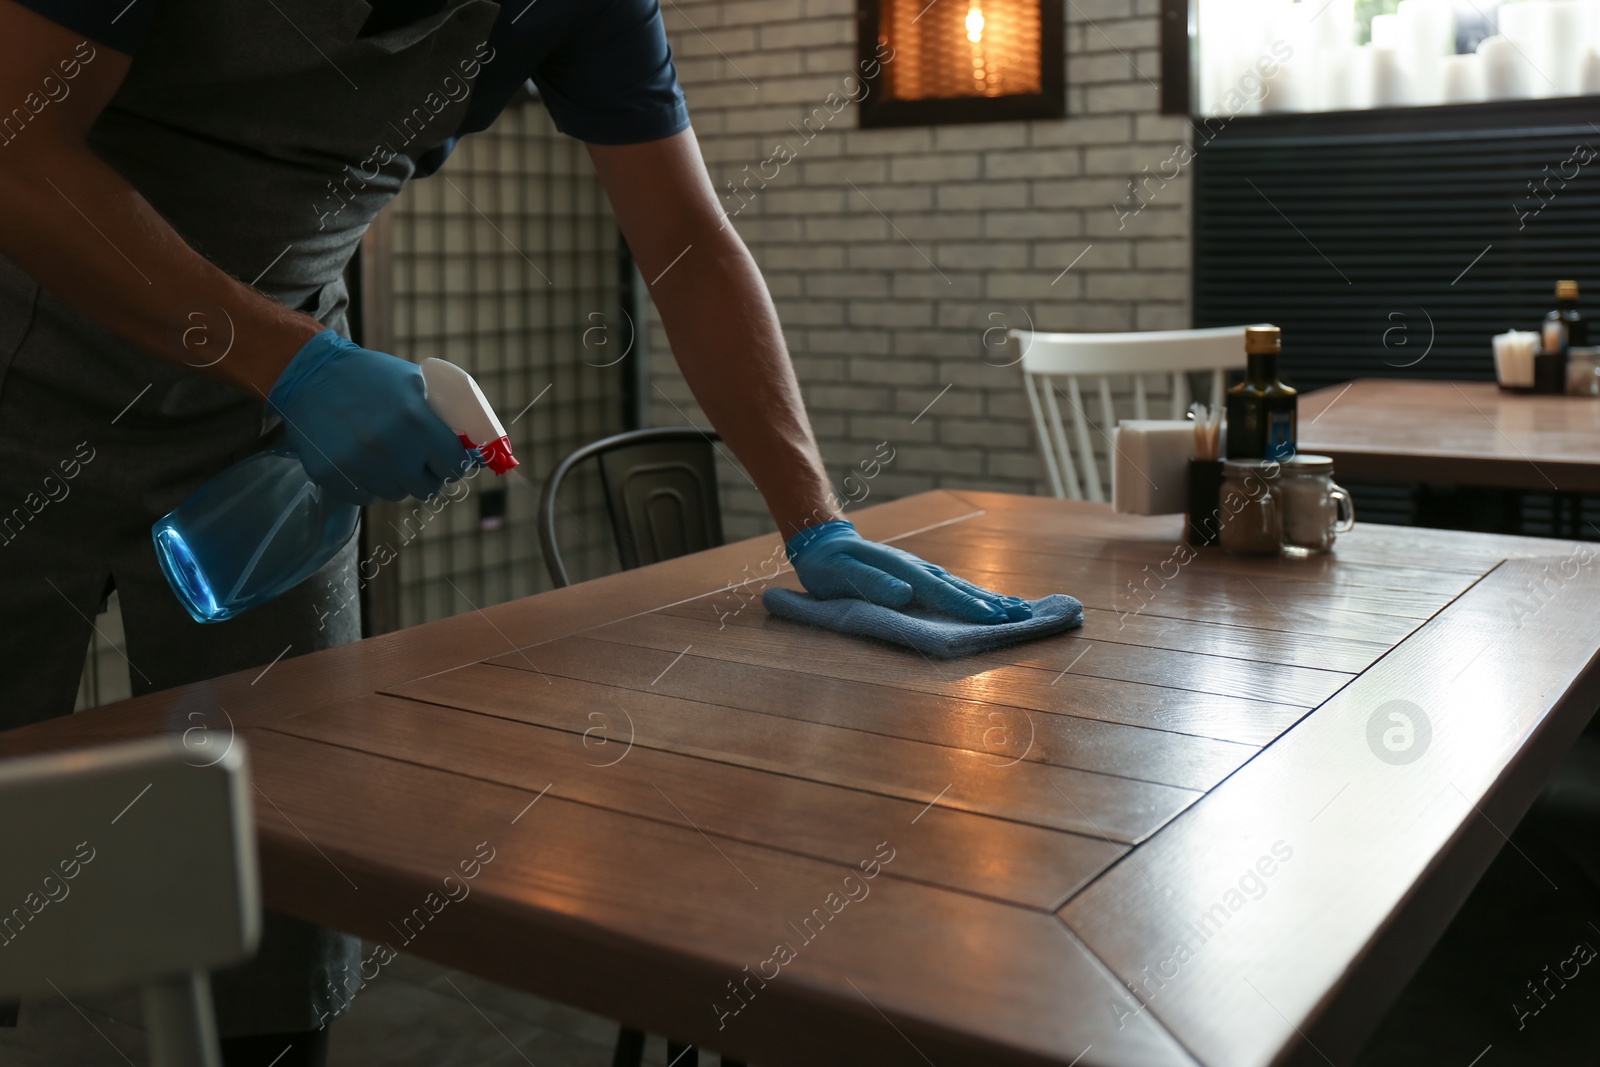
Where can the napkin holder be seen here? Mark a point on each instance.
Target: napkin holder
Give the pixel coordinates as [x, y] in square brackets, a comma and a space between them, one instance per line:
[1514, 360]
[1149, 466]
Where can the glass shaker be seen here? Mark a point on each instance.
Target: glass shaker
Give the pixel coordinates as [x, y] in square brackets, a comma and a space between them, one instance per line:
[1315, 507]
[1583, 371]
[1251, 521]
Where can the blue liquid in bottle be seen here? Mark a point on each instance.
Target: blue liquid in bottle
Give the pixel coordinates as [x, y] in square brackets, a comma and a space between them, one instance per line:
[252, 532]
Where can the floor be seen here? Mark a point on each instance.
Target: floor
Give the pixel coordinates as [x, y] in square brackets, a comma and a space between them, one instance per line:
[1514, 981]
[416, 1015]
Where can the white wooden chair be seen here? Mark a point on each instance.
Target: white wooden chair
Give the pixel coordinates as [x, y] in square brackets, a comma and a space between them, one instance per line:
[130, 864]
[1051, 361]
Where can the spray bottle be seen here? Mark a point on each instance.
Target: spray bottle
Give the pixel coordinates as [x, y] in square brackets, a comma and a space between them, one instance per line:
[261, 527]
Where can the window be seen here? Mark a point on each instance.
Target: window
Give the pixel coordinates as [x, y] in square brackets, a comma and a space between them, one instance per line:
[1353, 55]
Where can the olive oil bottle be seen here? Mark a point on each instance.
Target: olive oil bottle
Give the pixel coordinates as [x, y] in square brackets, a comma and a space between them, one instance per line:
[1261, 409]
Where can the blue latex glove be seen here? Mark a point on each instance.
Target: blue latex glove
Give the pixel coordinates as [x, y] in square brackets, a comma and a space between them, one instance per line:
[362, 425]
[832, 560]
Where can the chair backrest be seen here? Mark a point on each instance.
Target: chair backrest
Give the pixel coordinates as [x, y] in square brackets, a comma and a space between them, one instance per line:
[132, 863]
[1054, 365]
[661, 494]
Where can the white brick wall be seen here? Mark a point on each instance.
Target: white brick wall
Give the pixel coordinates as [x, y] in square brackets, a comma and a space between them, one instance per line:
[875, 329]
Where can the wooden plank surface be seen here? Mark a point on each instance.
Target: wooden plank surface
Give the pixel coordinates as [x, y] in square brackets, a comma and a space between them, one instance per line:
[1086, 802]
[1467, 433]
[999, 733]
[764, 639]
[657, 923]
[1340, 570]
[1056, 687]
[1351, 833]
[623, 771]
[671, 779]
[1188, 590]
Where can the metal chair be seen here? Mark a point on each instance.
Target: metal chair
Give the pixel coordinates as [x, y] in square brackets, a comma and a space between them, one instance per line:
[661, 493]
[1049, 357]
[130, 863]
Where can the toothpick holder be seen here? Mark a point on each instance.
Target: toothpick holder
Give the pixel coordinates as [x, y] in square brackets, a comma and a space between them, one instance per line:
[1202, 519]
[1550, 372]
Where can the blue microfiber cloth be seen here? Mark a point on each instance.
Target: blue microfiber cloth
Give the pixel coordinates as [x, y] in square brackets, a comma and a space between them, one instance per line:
[932, 632]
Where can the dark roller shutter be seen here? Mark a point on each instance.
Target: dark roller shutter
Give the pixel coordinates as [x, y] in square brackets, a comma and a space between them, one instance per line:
[1353, 231]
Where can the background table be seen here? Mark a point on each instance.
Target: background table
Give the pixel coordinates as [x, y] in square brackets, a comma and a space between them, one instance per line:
[663, 792]
[1465, 433]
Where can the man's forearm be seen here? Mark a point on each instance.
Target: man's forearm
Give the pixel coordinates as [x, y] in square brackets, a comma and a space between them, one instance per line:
[84, 234]
[726, 338]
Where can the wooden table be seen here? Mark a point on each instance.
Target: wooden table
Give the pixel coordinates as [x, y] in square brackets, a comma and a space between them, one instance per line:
[1176, 836]
[1465, 433]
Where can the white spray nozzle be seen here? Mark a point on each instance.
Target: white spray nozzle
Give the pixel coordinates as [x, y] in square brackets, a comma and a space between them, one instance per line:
[456, 398]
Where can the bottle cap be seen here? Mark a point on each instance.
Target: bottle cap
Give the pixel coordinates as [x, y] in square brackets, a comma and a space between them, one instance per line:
[1262, 340]
[1566, 290]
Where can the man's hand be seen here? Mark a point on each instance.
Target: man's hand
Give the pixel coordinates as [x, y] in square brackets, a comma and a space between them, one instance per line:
[832, 561]
[361, 423]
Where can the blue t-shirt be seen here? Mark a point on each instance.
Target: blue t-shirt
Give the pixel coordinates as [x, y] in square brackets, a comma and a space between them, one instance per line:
[602, 67]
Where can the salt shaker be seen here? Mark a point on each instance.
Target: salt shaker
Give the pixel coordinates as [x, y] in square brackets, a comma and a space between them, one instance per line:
[1315, 508]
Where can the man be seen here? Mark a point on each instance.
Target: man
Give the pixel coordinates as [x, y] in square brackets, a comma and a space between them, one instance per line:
[183, 183]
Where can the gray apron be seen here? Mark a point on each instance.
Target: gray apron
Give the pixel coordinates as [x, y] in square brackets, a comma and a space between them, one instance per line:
[259, 130]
